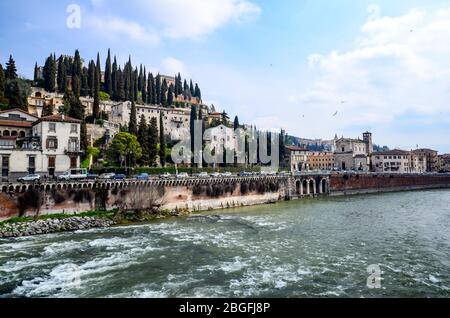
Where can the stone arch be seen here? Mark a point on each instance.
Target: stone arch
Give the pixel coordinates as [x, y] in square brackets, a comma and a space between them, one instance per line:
[6, 133]
[312, 187]
[22, 134]
[305, 186]
[298, 187]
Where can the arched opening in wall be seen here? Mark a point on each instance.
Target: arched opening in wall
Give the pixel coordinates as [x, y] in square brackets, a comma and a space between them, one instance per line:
[311, 187]
[343, 166]
[324, 186]
[297, 186]
[305, 186]
[22, 134]
[6, 133]
[14, 133]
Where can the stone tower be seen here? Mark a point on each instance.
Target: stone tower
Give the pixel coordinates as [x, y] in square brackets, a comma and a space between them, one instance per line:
[367, 137]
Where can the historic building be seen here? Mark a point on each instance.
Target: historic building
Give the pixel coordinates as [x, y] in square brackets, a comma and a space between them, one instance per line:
[431, 158]
[296, 159]
[321, 161]
[47, 146]
[353, 154]
[399, 161]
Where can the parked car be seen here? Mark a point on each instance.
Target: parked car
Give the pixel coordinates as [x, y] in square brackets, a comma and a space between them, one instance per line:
[215, 175]
[203, 175]
[119, 177]
[30, 178]
[244, 174]
[182, 175]
[165, 176]
[107, 176]
[74, 174]
[142, 177]
[92, 176]
[227, 174]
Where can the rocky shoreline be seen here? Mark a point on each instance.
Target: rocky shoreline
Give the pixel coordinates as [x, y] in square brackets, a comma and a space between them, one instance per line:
[49, 226]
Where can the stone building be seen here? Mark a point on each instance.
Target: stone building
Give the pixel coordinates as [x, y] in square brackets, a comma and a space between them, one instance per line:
[47, 146]
[321, 160]
[296, 159]
[431, 158]
[444, 163]
[397, 161]
[353, 154]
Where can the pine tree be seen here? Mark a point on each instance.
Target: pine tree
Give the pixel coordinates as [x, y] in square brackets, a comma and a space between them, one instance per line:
[170, 95]
[50, 74]
[153, 141]
[108, 75]
[11, 70]
[91, 78]
[114, 79]
[62, 75]
[132, 125]
[164, 93]
[162, 141]
[143, 140]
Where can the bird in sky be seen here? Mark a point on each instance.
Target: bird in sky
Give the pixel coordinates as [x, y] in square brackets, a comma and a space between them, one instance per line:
[334, 115]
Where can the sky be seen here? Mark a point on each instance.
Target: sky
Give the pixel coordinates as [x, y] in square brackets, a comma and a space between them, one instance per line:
[316, 68]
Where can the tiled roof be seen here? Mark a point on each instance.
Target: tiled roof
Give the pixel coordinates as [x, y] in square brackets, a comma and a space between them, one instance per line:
[15, 123]
[59, 119]
[395, 152]
[295, 148]
[18, 110]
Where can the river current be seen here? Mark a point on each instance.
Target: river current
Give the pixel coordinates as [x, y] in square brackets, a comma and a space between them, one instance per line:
[310, 248]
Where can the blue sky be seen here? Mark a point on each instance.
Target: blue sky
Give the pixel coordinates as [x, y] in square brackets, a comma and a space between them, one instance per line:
[382, 65]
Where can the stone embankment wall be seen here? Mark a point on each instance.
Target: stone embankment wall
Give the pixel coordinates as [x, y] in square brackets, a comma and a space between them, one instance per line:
[375, 183]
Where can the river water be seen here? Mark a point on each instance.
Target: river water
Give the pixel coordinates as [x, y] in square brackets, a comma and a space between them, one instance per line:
[310, 248]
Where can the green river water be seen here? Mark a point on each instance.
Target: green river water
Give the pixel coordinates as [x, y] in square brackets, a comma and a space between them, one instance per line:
[310, 248]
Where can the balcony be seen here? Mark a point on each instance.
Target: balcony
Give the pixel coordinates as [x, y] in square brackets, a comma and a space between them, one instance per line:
[17, 143]
[73, 151]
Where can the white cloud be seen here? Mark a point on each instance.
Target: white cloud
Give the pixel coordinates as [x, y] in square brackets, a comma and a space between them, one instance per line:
[192, 19]
[172, 66]
[117, 28]
[398, 66]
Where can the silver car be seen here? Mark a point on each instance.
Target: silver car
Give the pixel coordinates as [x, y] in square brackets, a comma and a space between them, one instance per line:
[30, 178]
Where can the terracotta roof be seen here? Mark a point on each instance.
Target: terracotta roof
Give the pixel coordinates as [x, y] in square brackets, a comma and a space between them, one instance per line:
[395, 152]
[424, 150]
[59, 119]
[17, 109]
[295, 148]
[15, 123]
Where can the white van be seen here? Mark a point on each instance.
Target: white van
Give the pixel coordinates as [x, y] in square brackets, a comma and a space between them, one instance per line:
[74, 174]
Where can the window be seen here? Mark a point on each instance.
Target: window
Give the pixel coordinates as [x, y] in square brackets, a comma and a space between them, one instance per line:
[52, 127]
[73, 128]
[73, 145]
[51, 165]
[73, 162]
[52, 143]
[31, 165]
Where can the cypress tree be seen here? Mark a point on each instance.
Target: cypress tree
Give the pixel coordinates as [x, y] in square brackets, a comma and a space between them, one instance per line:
[120, 85]
[164, 93]
[151, 89]
[153, 141]
[84, 144]
[236, 123]
[11, 70]
[62, 75]
[175, 90]
[180, 85]
[170, 95]
[185, 87]
[135, 84]
[197, 92]
[3, 100]
[77, 67]
[193, 118]
[84, 82]
[76, 86]
[114, 81]
[96, 105]
[158, 90]
[108, 75]
[191, 88]
[50, 74]
[91, 78]
[140, 78]
[142, 137]
[132, 125]
[144, 87]
[36, 74]
[99, 68]
[162, 141]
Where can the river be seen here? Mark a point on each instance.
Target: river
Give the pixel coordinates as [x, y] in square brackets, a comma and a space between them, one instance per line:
[309, 248]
